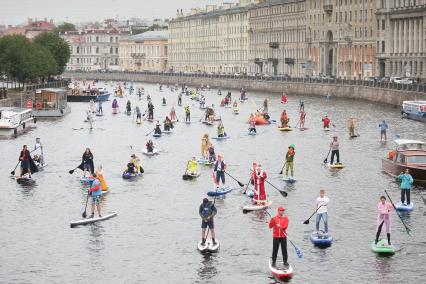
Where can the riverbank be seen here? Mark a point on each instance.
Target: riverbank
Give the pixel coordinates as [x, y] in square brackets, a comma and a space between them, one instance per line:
[335, 89]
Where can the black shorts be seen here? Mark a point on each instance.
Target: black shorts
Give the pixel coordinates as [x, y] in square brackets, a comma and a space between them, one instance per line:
[209, 223]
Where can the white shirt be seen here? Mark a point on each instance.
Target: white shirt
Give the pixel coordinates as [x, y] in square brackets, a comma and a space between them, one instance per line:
[324, 202]
[38, 150]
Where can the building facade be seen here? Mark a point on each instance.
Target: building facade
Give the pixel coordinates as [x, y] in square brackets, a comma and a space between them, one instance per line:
[277, 37]
[401, 38]
[341, 38]
[144, 52]
[32, 29]
[214, 39]
[95, 49]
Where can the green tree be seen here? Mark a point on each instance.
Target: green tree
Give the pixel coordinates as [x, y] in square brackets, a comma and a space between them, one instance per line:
[65, 27]
[57, 46]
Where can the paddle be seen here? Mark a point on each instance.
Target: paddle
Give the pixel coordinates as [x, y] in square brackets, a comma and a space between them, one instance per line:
[297, 249]
[239, 183]
[72, 171]
[150, 132]
[297, 124]
[406, 227]
[282, 169]
[328, 154]
[307, 221]
[85, 207]
[185, 175]
[283, 193]
[248, 183]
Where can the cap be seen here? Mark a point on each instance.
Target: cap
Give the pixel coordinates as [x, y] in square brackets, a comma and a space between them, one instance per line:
[291, 146]
[280, 208]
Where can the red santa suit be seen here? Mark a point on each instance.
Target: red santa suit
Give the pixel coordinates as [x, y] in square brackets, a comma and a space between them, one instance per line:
[258, 180]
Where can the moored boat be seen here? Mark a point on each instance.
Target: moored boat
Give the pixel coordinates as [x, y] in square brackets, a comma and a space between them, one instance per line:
[414, 110]
[15, 120]
[95, 94]
[50, 103]
[409, 154]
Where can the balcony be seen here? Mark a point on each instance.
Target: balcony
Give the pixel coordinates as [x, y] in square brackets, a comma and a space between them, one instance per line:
[328, 9]
[137, 55]
[274, 44]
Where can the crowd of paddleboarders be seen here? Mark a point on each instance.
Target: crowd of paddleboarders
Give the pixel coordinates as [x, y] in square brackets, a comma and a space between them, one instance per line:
[32, 162]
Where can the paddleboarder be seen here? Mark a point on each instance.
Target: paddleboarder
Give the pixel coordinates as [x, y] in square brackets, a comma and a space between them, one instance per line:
[219, 169]
[302, 119]
[352, 126]
[168, 124]
[157, 129]
[179, 99]
[192, 168]
[38, 152]
[187, 114]
[221, 130]
[27, 163]
[150, 110]
[284, 119]
[383, 127]
[212, 154]
[289, 161]
[265, 105]
[114, 106]
[173, 113]
[205, 142]
[326, 122]
[383, 217]
[252, 128]
[87, 164]
[284, 98]
[138, 115]
[150, 146]
[406, 184]
[258, 178]
[96, 191]
[100, 175]
[301, 105]
[279, 224]
[322, 203]
[207, 212]
[334, 145]
[100, 109]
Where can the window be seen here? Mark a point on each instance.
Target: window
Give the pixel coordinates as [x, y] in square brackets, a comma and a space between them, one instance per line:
[383, 46]
[383, 25]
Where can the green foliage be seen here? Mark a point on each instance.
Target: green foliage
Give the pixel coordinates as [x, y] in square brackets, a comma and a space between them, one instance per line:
[58, 47]
[65, 27]
[23, 60]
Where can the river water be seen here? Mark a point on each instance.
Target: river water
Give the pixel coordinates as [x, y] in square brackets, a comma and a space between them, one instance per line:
[154, 236]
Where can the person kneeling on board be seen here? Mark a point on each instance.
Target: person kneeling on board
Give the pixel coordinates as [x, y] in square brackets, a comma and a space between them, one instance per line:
[150, 146]
[95, 191]
[192, 166]
[258, 180]
[157, 129]
[131, 169]
[207, 212]
[279, 224]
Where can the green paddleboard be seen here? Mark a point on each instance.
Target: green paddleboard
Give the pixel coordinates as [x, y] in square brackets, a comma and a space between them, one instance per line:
[383, 248]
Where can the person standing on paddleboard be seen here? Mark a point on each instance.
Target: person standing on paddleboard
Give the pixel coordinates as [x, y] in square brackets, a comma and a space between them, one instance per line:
[205, 142]
[322, 203]
[406, 184]
[95, 191]
[383, 218]
[187, 114]
[38, 152]
[302, 119]
[138, 115]
[334, 145]
[258, 180]
[284, 119]
[87, 164]
[383, 127]
[150, 110]
[27, 163]
[221, 130]
[289, 161]
[352, 126]
[100, 109]
[219, 169]
[284, 98]
[207, 212]
[279, 224]
[326, 122]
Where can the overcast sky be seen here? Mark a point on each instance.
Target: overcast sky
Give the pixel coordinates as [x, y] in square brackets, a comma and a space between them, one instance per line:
[17, 11]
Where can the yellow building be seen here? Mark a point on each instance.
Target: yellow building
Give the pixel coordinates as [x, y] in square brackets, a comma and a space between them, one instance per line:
[144, 52]
[214, 39]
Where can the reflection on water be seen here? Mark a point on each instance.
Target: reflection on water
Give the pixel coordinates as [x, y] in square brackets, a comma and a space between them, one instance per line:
[207, 270]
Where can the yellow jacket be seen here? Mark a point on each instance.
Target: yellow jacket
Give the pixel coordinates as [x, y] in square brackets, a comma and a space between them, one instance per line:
[192, 166]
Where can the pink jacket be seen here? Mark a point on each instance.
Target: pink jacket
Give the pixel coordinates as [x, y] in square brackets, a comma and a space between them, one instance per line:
[385, 208]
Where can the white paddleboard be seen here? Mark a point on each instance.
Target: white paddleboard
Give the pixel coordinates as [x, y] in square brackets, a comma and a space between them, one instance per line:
[92, 220]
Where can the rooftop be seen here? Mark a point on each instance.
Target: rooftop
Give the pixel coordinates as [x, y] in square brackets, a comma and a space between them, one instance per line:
[149, 35]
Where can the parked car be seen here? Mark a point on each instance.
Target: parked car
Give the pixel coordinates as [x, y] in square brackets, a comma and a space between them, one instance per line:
[408, 81]
[395, 79]
[370, 79]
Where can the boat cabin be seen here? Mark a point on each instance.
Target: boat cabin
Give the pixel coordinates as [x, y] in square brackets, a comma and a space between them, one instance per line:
[14, 121]
[50, 103]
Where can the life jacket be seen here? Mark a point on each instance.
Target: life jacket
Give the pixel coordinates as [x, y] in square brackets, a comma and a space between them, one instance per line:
[222, 165]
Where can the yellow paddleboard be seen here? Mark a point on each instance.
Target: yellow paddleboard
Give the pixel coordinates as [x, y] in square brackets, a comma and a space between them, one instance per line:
[285, 129]
[336, 166]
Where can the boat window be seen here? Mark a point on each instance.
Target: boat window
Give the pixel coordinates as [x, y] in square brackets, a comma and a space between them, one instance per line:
[400, 158]
[416, 160]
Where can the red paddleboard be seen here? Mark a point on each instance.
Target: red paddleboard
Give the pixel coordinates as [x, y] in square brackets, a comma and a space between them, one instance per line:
[280, 272]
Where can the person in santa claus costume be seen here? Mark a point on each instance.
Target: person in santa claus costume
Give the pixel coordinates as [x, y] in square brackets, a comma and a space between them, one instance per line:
[258, 180]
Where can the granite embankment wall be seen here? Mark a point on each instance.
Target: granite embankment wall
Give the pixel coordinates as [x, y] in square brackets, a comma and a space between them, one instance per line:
[374, 94]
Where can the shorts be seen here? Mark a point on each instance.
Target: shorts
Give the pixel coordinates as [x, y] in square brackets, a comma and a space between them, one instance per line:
[25, 164]
[96, 199]
[382, 131]
[209, 223]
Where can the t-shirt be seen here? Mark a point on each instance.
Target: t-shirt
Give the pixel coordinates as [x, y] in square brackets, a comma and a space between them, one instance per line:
[324, 202]
[334, 145]
[383, 126]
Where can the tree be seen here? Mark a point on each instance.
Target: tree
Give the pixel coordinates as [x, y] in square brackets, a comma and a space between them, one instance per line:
[58, 47]
[65, 27]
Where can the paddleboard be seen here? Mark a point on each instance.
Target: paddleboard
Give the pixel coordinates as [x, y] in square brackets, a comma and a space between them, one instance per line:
[92, 220]
[156, 135]
[326, 129]
[404, 208]
[190, 176]
[25, 180]
[303, 128]
[235, 112]
[220, 191]
[127, 175]
[154, 152]
[382, 248]
[168, 132]
[138, 122]
[353, 136]
[204, 162]
[208, 246]
[321, 239]
[220, 138]
[252, 133]
[335, 166]
[256, 207]
[289, 180]
[88, 180]
[285, 129]
[281, 272]
[208, 122]
[99, 114]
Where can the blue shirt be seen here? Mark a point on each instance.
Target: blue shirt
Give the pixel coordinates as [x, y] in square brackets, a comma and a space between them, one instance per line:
[406, 181]
[95, 183]
[383, 126]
